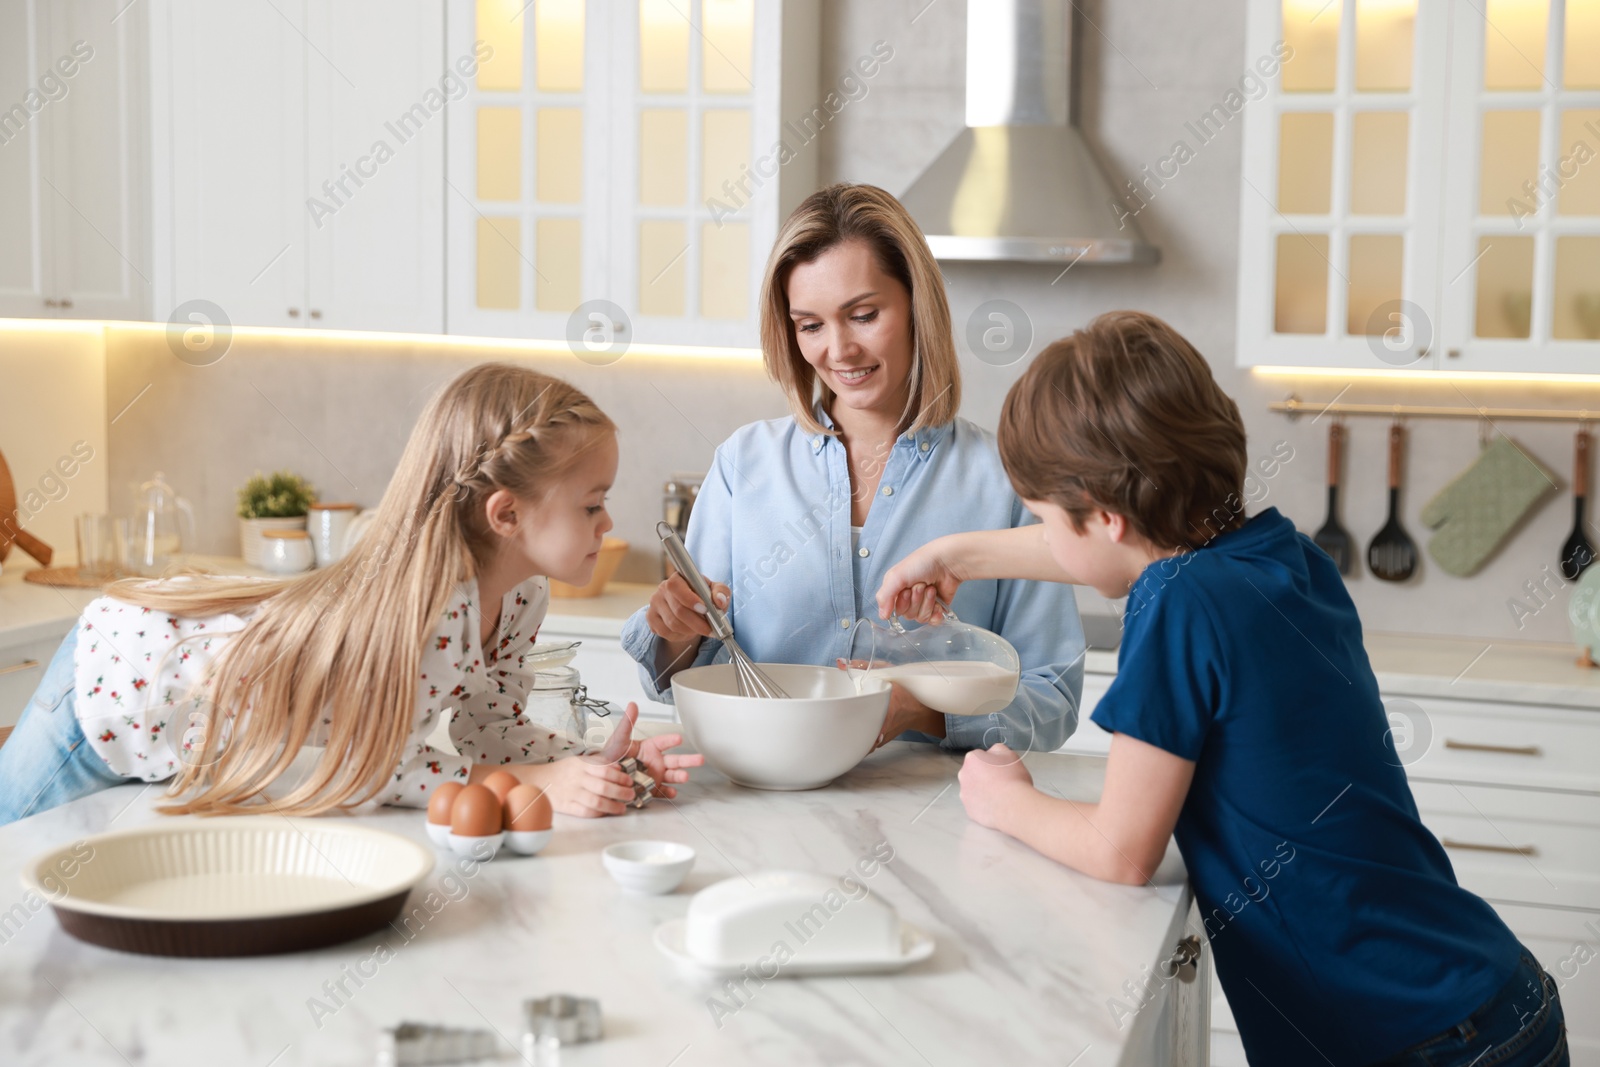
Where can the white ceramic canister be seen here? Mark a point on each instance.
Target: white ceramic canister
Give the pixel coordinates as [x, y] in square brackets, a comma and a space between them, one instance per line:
[328, 524]
[286, 551]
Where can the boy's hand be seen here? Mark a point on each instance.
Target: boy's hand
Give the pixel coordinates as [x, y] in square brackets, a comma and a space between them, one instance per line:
[910, 586]
[991, 784]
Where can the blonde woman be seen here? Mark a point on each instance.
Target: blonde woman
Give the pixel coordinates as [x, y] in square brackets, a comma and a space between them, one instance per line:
[216, 684]
[799, 517]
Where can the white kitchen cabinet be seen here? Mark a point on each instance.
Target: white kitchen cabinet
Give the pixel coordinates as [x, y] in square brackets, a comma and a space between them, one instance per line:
[74, 242]
[298, 185]
[1384, 165]
[619, 152]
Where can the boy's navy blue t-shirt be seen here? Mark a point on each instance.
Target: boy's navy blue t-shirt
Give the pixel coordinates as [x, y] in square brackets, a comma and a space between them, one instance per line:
[1340, 933]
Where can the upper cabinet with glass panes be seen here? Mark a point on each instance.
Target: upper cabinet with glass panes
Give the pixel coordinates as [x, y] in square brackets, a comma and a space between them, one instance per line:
[1422, 186]
[624, 166]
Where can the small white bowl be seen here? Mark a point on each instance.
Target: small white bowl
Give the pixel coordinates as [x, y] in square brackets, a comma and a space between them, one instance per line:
[648, 866]
[439, 835]
[527, 842]
[469, 846]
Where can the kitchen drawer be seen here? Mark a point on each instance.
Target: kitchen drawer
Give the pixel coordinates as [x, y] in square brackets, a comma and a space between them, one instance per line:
[1516, 845]
[1088, 739]
[1567, 943]
[1503, 744]
[21, 668]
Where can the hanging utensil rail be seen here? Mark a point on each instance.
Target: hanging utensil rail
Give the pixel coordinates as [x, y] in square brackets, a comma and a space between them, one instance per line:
[1294, 407]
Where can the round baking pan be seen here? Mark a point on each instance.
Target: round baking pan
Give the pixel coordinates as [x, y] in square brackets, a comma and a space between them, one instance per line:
[237, 886]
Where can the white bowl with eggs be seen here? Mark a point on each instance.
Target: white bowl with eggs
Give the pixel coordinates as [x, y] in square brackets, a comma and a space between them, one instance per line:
[820, 731]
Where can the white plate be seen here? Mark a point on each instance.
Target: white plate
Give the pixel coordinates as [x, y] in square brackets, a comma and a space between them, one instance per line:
[915, 945]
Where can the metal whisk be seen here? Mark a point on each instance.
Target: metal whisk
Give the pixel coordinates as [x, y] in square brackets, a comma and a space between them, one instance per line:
[753, 681]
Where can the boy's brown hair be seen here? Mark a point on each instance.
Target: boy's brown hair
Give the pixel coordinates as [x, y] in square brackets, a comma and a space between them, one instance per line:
[1125, 416]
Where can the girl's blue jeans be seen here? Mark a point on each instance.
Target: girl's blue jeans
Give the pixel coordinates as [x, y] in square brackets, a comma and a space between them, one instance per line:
[47, 761]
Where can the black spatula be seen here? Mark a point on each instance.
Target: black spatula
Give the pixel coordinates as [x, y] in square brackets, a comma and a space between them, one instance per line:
[1577, 553]
[1392, 555]
[1332, 538]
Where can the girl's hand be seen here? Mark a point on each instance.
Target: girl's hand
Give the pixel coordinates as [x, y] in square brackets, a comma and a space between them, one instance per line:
[910, 586]
[587, 789]
[991, 783]
[664, 768]
[677, 614]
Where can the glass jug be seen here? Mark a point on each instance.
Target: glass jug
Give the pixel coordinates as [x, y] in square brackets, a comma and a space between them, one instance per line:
[951, 666]
[163, 524]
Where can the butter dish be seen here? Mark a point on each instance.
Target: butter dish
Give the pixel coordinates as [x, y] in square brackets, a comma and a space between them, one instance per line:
[791, 923]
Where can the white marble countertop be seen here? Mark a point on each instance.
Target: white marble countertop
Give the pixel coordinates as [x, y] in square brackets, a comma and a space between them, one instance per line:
[1028, 952]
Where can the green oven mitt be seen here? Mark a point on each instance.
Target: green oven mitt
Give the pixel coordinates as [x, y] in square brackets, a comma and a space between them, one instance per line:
[1483, 504]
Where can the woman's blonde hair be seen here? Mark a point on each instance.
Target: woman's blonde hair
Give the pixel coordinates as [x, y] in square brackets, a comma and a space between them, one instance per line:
[830, 217]
[345, 643]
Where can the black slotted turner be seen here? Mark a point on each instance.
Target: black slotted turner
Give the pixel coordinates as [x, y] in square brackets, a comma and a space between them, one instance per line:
[1392, 555]
[1577, 553]
[1333, 538]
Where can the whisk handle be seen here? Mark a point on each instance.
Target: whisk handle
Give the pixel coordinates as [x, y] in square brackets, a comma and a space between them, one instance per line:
[684, 564]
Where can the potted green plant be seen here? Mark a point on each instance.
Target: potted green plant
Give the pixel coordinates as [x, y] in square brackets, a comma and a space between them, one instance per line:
[276, 502]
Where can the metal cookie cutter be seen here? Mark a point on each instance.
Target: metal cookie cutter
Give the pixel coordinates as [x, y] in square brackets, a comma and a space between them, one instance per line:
[643, 785]
[417, 1044]
[559, 1020]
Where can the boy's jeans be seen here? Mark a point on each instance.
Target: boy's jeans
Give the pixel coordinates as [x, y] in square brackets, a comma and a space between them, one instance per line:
[1520, 1026]
[47, 761]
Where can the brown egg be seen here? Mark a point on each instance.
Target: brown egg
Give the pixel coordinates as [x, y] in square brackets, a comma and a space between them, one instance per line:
[527, 808]
[501, 782]
[476, 813]
[444, 796]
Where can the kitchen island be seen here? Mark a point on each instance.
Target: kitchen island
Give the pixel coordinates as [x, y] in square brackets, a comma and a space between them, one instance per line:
[1034, 963]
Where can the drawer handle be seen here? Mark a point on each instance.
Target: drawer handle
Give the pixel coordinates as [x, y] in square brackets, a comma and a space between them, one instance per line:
[1509, 750]
[1514, 850]
[25, 665]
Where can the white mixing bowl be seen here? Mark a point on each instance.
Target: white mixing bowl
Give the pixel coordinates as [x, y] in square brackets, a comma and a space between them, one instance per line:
[806, 741]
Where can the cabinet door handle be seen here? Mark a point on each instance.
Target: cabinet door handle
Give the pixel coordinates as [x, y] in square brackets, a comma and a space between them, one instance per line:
[316, 313]
[1469, 846]
[25, 665]
[294, 313]
[50, 303]
[1509, 750]
[64, 304]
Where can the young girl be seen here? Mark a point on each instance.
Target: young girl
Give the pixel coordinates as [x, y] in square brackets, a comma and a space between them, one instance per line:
[217, 683]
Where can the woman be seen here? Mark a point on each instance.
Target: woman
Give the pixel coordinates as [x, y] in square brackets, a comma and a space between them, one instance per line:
[801, 516]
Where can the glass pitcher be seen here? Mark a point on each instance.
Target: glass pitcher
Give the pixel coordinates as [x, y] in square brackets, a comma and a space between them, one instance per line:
[951, 666]
[163, 525]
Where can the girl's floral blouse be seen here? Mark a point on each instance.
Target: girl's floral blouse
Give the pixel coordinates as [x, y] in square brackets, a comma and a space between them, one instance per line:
[142, 674]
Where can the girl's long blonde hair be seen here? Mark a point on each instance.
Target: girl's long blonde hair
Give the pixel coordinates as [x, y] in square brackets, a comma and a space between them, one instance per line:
[345, 643]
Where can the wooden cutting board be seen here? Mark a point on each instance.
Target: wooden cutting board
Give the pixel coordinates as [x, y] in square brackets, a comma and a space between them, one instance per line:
[10, 533]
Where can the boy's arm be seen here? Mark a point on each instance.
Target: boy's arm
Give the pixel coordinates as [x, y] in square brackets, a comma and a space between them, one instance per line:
[945, 562]
[1120, 839]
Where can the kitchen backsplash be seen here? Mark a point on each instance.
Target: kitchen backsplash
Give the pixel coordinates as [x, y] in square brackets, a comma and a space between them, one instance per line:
[339, 412]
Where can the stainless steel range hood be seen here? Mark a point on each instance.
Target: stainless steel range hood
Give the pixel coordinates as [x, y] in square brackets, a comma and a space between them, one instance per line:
[1019, 183]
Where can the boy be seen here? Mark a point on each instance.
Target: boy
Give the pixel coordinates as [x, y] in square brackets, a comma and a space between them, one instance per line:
[1246, 720]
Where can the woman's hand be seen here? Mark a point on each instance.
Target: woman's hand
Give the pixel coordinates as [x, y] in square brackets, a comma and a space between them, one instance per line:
[677, 613]
[910, 586]
[906, 712]
[992, 783]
